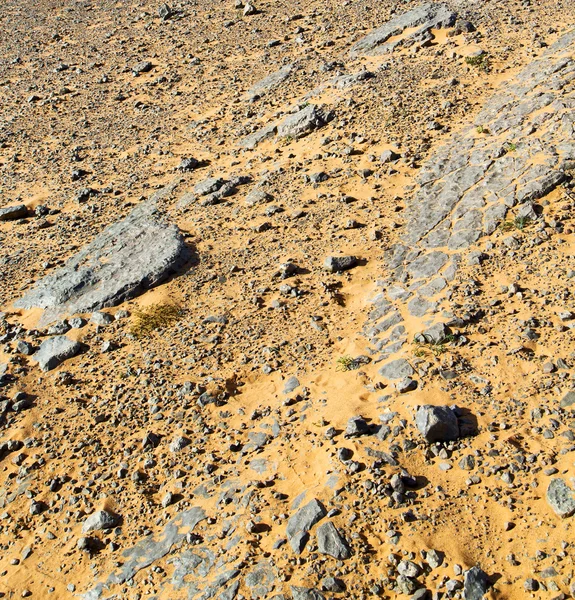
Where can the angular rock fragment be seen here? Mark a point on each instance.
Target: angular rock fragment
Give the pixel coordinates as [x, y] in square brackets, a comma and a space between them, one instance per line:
[337, 264]
[302, 593]
[127, 258]
[475, 584]
[305, 518]
[331, 542]
[54, 351]
[9, 213]
[101, 519]
[561, 498]
[437, 423]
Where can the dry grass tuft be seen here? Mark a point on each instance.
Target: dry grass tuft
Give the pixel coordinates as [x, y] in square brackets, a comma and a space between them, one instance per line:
[154, 317]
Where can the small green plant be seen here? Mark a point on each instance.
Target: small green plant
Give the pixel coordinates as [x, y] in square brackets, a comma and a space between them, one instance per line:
[482, 129]
[481, 61]
[347, 363]
[425, 343]
[509, 147]
[153, 317]
[519, 223]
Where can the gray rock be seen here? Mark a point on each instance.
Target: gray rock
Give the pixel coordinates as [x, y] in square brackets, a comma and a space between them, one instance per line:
[302, 593]
[568, 400]
[298, 541]
[422, 19]
[304, 121]
[305, 518]
[208, 186]
[434, 558]
[356, 426]
[54, 351]
[252, 140]
[257, 197]
[271, 81]
[101, 318]
[396, 369]
[25, 348]
[337, 264]
[437, 423]
[127, 258]
[421, 594]
[408, 568]
[331, 542]
[333, 584]
[435, 334]
[561, 498]
[9, 213]
[475, 584]
[179, 443]
[291, 384]
[101, 519]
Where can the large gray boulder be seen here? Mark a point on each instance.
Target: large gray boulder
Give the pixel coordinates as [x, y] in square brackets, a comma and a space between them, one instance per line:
[421, 19]
[437, 423]
[561, 498]
[125, 259]
[55, 350]
[304, 121]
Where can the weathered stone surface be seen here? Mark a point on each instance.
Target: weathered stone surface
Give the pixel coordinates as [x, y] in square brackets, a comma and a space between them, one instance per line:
[437, 423]
[55, 350]
[301, 593]
[101, 519]
[423, 18]
[396, 369]
[271, 81]
[568, 400]
[149, 550]
[475, 584]
[331, 542]
[252, 140]
[337, 264]
[304, 121]
[561, 498]
[305, 518]
[8, 213]
[127, 258]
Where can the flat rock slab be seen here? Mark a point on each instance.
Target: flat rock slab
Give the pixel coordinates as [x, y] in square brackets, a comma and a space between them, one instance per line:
[517, 151]
[271, 81]
[422, 19]
[149, 550]
[127, 258]
[55, 350]
[304, 121]
[9, 213]
[396, 369]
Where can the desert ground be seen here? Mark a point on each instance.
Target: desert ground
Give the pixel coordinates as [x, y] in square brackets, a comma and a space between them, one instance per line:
[286, 300]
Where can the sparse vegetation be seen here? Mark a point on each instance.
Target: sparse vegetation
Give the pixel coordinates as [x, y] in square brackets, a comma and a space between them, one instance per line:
[509, 147]
[154, 317]
[519, 223]
[425, 344]
[481, 61]
[347, 363]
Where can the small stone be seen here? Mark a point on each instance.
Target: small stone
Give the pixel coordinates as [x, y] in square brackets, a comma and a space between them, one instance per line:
[337, 264]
